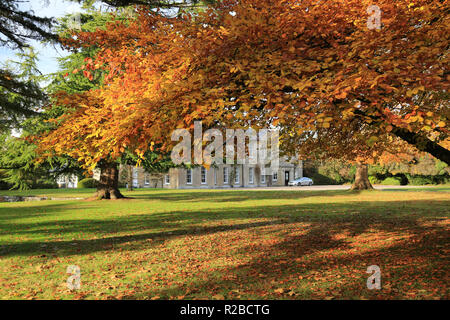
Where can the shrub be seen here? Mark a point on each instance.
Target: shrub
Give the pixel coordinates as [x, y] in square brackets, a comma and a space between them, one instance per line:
[392, 181]
[45, 185]
[377, 170]
[420, 180]
[320, 179]
[374, 180]
[87, 183]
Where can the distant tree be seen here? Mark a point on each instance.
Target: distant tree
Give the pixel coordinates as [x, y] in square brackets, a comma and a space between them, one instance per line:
[17, 28]
[16, 77]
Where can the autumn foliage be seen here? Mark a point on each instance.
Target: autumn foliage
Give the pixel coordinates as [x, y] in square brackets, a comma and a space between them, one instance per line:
[312, 68]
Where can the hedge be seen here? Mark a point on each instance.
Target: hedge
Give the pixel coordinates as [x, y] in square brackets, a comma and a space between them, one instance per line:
[374, 180]
[392, 181]
[87, 183]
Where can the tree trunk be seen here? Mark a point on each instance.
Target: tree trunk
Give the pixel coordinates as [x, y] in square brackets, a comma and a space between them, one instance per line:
[129, 178]
[109, 181]
[362, 178]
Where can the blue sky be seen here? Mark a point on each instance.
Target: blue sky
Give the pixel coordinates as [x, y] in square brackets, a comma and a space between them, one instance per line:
[47, 54]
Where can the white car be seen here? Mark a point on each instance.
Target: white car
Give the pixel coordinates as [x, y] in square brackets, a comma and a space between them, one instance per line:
[301, 182]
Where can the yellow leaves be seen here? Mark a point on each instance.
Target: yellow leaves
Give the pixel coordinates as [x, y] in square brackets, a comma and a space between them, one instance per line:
[441, 124]
[224, 31]
[234, 69]
[280, 290]
[414, 91]
[347, 113]
[414, 119]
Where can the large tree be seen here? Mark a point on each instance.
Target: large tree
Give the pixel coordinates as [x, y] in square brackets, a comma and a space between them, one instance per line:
[74, 96]
[17, 28]
[300, 65]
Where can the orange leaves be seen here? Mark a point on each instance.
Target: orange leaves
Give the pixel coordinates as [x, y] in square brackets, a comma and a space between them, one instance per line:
[267, 64]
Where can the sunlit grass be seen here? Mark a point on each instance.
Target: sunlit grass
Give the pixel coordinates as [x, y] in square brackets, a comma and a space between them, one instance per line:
[237, 244]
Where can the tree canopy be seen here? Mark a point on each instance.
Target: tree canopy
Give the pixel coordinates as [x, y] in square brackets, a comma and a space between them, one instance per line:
[307, 67]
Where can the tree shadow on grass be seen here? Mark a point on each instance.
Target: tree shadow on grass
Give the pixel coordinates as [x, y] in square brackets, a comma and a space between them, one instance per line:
[357, 217]
[36, 210]
[319, 265]
[239, 194]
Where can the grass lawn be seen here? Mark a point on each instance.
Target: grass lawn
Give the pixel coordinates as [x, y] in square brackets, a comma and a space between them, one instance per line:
[235, 244]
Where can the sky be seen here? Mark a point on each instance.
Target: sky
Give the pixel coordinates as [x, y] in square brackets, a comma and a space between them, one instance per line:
[47, 54]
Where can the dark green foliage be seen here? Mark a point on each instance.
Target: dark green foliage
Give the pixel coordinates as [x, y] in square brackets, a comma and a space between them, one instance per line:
[87, 183]
[44, 184]
[20, 94]
[320, 179]
[422, 171]
[21, 171]
[420, 180]
[3, 184]
[329, 172]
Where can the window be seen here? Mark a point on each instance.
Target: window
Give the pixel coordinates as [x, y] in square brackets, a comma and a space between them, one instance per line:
[203, 175]
[225, 175]
[189, 176]
[167, 179]
[147, 179]
[251, 173]
[275, 176]
[135, 178]
[237, 175]
[263, 178]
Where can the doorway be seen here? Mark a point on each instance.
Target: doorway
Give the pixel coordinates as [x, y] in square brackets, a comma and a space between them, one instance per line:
[286, 178]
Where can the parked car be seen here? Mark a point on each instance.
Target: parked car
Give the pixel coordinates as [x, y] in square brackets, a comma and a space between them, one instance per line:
[305, 181]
